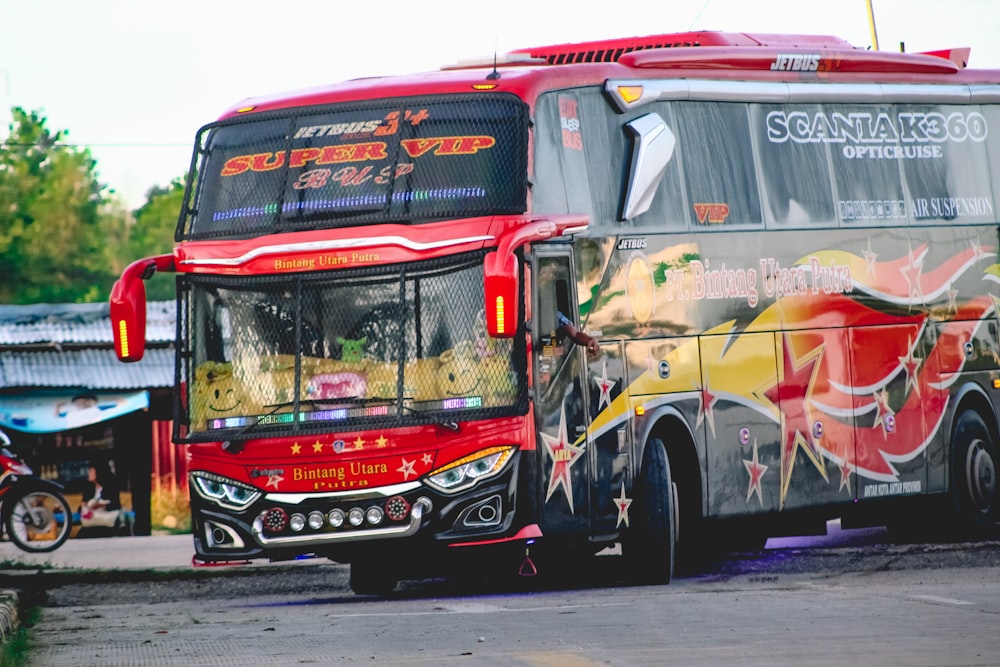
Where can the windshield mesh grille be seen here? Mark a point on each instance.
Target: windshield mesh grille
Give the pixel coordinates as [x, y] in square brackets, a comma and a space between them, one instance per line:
[310, 353]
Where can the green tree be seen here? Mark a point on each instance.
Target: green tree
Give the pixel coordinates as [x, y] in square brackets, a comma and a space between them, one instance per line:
[153, 233]
[53, 222]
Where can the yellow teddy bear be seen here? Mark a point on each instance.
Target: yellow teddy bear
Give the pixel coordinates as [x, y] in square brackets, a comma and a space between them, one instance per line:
[216, 393]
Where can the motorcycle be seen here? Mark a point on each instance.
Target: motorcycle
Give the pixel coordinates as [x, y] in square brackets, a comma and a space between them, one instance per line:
[33, 511]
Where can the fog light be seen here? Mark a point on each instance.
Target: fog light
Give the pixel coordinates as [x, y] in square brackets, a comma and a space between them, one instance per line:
[356, 516]
[336, 518]
[275, 520]
[396, 508]
[374, 515]
[297, 522]
[315, 520]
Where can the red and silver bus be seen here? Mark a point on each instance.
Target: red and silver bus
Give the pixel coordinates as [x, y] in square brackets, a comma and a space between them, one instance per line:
[784, 246]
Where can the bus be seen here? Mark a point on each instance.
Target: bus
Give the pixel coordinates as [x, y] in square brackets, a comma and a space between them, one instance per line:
[784, 246]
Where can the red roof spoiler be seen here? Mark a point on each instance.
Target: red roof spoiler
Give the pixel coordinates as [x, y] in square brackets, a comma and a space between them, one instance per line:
[959, 56]
[610, 50]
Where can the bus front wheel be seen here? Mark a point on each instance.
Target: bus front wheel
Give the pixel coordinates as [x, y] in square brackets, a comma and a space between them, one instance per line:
[649, 545]
[974, 476]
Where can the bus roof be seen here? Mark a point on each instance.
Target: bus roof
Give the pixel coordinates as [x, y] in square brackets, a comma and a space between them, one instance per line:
[702, 54]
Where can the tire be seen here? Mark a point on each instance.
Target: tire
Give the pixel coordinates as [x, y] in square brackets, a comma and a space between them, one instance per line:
[649, 544]
[38, 520]
[974, 474]
[368, 577]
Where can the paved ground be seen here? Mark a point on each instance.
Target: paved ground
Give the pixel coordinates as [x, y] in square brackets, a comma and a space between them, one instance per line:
[171, 552]
[107, 553]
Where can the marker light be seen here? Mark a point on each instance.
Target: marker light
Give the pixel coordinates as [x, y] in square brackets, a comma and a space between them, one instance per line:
[499, 311]
[630, 93]
[315, 520]
[336, 518]
[123, 339]
[356, 516]
[297, 522]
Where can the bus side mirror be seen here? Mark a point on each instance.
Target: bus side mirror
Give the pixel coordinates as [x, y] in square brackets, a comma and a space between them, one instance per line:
[128, 317]
[128, 306]
[502, 292]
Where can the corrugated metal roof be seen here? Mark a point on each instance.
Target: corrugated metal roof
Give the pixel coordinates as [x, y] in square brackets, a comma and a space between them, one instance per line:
[96, 369]
[78, 323]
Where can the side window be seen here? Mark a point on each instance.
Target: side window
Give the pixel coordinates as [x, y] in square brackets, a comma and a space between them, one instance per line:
[795, 173]
[716, 154]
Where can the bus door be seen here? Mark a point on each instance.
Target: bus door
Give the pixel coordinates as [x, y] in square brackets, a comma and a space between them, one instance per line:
[563, 408]
[610, 437]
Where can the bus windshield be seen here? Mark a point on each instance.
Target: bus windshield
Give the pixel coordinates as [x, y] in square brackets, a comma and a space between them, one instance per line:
[410, 160]
[312, 353]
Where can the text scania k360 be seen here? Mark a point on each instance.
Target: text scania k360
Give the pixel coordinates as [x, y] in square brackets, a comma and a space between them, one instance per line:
[785, 246]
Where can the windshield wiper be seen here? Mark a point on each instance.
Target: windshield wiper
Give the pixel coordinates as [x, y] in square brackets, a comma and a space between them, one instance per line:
[450, 425]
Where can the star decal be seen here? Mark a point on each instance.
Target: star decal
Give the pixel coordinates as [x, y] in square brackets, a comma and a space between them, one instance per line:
[428, 459]
[792, 395]
[882, 412]
[622, 503]
[705, 411]
[870, 258]
[910, 365]
[296, 448]
[317, 447]
[407, 469]
[605, 386]
[274, 480]
[952, 299]
[845, 476]
[652, 363]
[911, 274]
[564, 455]
[756, 470]
[380, 443]
[359, 443]
[977, 249]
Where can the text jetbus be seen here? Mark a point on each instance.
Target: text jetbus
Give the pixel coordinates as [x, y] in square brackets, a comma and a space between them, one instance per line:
[786, 247]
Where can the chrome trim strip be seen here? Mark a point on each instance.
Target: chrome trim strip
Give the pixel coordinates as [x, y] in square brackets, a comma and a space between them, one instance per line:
[320, 246]
[366, 494]
[654, 90]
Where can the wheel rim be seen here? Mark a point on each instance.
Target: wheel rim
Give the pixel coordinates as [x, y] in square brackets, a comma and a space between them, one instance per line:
[980, 477]
[39, 520]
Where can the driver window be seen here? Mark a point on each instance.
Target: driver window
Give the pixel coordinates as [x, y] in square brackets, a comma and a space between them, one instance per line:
[553, 290]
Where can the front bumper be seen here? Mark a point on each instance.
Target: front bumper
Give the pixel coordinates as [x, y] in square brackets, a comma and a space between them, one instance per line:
[431, 519]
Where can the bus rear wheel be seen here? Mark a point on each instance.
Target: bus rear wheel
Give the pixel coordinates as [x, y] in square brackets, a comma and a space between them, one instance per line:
[974, 473]
[649, 544]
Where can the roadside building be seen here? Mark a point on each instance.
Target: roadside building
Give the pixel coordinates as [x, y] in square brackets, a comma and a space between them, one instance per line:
[69, 405]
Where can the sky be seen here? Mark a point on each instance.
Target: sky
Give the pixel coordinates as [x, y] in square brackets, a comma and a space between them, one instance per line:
[133, 80]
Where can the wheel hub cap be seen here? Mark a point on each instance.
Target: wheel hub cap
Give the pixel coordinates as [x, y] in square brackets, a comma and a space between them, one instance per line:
[981, 476]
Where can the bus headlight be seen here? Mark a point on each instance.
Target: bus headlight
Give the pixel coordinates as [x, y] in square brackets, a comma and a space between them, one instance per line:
[223, 491]
[465, 472]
